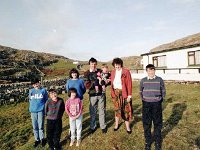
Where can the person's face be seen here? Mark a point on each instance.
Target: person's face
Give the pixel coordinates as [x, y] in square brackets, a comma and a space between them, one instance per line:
[74, 75]
[73, 95]
[104, 69]
[93, 65]
[53, 95]
[151, 72]
[118, 67]
[36, 85]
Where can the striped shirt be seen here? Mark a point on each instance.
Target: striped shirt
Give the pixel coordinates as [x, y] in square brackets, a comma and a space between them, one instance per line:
[152, 90]
[54, 109]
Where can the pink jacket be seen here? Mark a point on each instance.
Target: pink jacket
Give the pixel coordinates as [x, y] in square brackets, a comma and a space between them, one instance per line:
[126, 83]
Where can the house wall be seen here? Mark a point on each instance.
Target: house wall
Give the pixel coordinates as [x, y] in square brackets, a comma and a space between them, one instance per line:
[174, 59]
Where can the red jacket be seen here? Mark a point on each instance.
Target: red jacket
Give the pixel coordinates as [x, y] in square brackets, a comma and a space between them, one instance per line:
[126, 83]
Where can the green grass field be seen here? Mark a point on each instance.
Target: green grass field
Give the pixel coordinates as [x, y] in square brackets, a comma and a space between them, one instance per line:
[181, 130]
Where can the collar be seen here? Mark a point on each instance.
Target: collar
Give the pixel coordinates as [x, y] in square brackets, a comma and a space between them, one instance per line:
[93, 70]
[151, 78]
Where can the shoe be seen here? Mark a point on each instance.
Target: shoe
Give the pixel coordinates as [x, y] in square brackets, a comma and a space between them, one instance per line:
[36, 143]
[51, 148]
[71, 143]
[129, 132]
[158, 146]
[92, 130]
[115, 129]
[43, 142]
[104, 130]
[147, 146]
[78, 143]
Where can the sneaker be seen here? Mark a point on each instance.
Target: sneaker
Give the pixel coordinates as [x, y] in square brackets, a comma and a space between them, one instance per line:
[92, 130]
[43, 142]
[147, 146]
[158, 146]
[71, 143]
[104, 130]
[36, 143]
[78, 143]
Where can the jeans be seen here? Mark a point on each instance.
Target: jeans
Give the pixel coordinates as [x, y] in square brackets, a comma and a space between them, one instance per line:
[38, 125]
[95, 102]
[152, 112]
[76, 125]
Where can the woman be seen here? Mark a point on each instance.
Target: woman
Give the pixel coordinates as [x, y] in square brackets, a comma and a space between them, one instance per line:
[76, 82]
[121, 93]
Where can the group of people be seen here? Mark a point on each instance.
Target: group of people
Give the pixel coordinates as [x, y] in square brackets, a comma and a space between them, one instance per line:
[152, 92]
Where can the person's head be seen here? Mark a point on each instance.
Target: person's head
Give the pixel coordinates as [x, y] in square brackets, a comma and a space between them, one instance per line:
[150, 68]
[72, 93]
[74, 73]
[53, 94]
[93, 63]
[35, 83]
[104, 68]
[117, 63]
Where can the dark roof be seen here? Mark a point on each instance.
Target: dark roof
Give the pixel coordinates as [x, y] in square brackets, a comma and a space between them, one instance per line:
[186, 42]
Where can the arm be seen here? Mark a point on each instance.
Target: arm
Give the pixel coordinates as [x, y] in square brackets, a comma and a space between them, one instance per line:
[67, 107]
[141, 89]
[83, 86]
[46, 109]
[62, 109]
[162, 88]
[67, 85]
[129, 84]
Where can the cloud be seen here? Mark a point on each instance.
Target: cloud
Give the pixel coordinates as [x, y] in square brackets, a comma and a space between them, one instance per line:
[185, 1]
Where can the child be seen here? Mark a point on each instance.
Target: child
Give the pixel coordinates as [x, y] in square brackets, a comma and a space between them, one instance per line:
[152, 92]
[55, 108]
[37, 99]
[103, 78]
[73, 108]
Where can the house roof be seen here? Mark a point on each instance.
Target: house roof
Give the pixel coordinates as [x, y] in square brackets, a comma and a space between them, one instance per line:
[186, 42]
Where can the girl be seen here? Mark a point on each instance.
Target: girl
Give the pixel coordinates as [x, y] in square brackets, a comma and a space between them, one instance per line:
[74, 108]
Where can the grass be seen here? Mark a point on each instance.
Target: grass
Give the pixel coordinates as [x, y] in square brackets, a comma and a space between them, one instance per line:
[181, 126]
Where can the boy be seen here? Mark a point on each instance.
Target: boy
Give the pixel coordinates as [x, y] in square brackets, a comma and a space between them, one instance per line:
[37, 99]
[103, 78]
[54, 111]
[152, 93]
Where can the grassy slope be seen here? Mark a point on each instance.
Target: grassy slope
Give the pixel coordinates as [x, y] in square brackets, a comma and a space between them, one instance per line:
[181, 129]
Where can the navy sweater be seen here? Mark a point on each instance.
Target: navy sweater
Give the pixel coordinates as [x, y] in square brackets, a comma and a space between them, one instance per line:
[152, 90]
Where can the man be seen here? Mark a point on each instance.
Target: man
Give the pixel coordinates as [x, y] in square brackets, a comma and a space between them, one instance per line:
[152, 93]
[97, 100]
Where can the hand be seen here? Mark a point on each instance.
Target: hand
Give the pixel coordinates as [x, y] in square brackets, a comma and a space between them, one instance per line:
[129, 99]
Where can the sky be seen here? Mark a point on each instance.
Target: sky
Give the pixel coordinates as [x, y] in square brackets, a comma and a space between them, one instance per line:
[104, 29]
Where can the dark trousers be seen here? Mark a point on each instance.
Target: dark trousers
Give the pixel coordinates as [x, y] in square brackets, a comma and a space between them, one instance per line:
[54, 130]
[152, 111]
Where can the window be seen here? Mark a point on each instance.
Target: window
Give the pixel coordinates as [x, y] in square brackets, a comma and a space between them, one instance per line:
[194, 58]
[159, 61]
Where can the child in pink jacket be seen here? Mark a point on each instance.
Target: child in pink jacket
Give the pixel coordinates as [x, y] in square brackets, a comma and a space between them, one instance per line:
[73, 108]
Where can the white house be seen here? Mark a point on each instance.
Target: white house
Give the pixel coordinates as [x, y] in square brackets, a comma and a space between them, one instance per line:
[179, 60]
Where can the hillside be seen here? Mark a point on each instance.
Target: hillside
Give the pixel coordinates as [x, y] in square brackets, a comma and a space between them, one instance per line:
[21, 65]
[183, 42]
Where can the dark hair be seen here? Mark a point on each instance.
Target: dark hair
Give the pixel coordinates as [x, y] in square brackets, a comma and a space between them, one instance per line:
[35, 80]
[73, 71]
[52, 90]
[150, 66]
[72, 90]
[92, 60]
[118, 61]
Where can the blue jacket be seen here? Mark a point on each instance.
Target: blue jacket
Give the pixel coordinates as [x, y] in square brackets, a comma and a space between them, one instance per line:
[78, 85]
[37, 99]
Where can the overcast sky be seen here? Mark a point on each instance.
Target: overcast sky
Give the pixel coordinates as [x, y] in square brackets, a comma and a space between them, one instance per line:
[104, 29]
